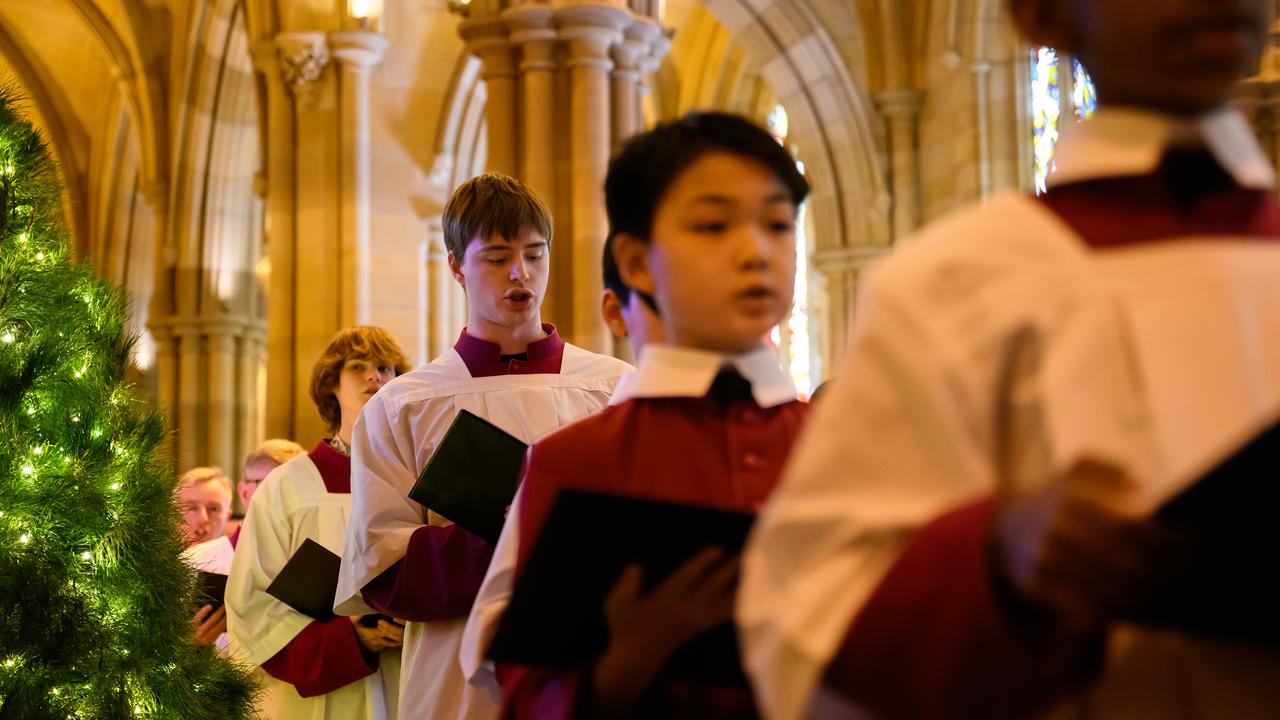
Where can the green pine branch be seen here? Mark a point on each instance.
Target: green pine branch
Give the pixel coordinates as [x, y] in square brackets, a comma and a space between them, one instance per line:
[95, 620]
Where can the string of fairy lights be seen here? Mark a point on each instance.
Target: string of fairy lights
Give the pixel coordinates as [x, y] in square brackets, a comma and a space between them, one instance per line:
[69, 453]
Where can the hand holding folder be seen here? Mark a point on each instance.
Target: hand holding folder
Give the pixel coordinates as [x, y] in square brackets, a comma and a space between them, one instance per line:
[472, 476]
[556, 617]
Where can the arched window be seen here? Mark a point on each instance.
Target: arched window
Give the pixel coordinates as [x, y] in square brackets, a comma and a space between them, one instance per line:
[792, 336]
[1055, 94]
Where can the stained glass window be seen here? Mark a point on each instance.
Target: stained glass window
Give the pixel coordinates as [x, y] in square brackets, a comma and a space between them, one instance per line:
[1054, 94]
[792, 337]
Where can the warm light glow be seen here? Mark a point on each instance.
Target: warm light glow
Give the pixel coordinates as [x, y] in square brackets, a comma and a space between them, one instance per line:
[364, 9]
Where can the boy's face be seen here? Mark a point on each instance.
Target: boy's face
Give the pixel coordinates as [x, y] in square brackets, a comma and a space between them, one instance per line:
[722, 260]
[205, 509]
[505, 279]
[1180, 56]
[359, 380]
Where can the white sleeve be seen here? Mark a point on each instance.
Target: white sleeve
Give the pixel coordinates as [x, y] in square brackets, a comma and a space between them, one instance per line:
[491, 602]
[900, 436]
[384, 467]
[257, 622]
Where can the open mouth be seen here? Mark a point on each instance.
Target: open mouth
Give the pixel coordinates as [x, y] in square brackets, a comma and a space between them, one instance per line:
[519, 299]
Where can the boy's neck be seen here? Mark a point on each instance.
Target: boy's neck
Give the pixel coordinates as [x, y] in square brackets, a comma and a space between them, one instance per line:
[510, 341]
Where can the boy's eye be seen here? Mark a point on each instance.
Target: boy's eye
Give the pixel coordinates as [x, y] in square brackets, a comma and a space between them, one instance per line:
[533, 256]
[710, 227]
[782, 226]
[384, 369]
[496, 261]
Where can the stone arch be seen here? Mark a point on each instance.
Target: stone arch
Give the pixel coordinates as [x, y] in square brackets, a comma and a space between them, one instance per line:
[209, 309]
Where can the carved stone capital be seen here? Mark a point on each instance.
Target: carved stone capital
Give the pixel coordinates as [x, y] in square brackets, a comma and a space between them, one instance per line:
[303, 57]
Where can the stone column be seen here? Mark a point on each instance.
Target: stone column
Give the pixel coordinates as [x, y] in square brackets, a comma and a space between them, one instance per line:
[487, 39]
[357, 52]
[628, 56]
[901, 110]
[439, 291]
[190, 410]
[221, 393]
[981, 82]
[591, 31]
[532, 31]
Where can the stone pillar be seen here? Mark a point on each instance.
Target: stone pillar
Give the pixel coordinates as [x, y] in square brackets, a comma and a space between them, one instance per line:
[591, 32]
[901, 110]
[532, 31]
[222, 394]
[981, 82]
[439, 291]
[190, 350]
[487, 39]
[628, 56]
[357, 52]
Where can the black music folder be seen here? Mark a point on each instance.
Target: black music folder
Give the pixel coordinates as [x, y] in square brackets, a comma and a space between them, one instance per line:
[556, 616]
[472, 476]
[309, 581]
[1227, 520]
[211, 589]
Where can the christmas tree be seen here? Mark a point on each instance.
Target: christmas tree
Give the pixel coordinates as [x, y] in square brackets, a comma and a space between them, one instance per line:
[95, 605]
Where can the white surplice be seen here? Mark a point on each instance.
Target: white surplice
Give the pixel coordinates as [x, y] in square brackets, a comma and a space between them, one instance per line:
[290, 507]
[992, 353]
[394, 438]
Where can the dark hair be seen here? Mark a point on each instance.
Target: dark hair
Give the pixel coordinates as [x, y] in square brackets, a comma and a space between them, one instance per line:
[492, 204]
[363, 342]
[643, 170]
[612, 276]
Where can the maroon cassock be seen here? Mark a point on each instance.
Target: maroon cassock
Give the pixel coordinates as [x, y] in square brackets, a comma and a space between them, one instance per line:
[937, 617]
[693, 450]
[440, 574]
[325, 655]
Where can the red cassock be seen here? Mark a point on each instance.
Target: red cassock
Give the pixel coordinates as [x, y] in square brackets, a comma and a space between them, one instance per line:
[691, 450]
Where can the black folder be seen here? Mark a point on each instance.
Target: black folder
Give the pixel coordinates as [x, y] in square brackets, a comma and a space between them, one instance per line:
[309, 581]
[1229, 519]
[472, 476]
[556, 615]
[211, 589]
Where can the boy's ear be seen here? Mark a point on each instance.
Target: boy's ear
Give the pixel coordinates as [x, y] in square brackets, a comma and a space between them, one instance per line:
[632, 256]
[455, 268]
[1047, 23]
[611, 310]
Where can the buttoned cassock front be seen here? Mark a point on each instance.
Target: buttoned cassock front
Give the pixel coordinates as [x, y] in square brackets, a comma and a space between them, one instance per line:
[663, 439]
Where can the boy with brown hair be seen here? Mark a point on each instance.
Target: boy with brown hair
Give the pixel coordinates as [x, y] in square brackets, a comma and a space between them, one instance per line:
[508, 368]
[974, 512]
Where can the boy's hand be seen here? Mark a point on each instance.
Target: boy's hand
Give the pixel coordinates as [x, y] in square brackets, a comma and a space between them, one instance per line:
[376, 639]
[1064, 549]
[209, 624]
[645, 629]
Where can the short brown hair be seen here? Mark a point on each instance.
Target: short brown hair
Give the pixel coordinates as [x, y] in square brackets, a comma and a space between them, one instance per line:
[366, 342]
[492, 204]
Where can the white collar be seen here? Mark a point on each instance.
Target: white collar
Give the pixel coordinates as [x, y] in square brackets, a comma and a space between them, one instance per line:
[1121, 141]
[672, 371]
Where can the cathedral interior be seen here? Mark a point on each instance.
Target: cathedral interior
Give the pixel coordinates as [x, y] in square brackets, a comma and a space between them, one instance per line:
[258, 174]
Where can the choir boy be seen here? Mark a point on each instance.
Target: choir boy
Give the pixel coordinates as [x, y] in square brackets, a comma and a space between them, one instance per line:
[629, 317]
[1029, 381]
[703, 216]
[344, 667]
[506, 367]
